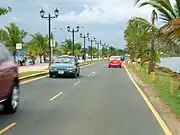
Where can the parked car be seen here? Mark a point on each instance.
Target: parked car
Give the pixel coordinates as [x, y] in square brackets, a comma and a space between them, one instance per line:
[65, 66]
[9, 83]
[115, 61]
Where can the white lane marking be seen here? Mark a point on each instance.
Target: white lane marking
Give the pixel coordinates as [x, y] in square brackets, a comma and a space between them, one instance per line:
[77, 82]
[92, 74]
[53, 98]
[103, 66]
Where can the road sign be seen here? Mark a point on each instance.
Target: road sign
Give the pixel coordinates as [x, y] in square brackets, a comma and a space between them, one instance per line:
[18, 46]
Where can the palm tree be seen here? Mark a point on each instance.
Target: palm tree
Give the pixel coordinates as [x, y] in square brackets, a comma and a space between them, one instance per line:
[4, 11]
[67, 46]
[38, 45]
[11, 35]
[167, 11]
[138, 36]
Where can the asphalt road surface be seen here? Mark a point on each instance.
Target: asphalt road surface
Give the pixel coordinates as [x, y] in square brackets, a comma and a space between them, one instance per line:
[102, 101]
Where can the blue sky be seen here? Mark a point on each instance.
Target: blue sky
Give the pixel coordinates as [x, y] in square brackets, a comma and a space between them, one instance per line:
[103, 19]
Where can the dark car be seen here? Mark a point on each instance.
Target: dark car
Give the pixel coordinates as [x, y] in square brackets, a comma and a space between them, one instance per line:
[9, 83]
[65, 66]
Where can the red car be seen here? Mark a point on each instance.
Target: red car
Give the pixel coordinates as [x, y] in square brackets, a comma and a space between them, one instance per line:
[9, 83]
[115, 61]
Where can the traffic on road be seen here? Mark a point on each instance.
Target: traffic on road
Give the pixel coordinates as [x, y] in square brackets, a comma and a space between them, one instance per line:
[101, 101]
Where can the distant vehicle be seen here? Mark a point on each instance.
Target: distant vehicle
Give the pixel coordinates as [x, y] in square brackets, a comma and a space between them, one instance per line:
[65, 66]
[115, 61]
[9, 83]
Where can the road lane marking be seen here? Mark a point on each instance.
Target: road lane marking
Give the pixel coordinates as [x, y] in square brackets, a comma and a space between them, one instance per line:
[7, 128]
[77, 82]
[153, 110]
[92, 74]
[34, 79]
[103, 66]
[53, 98]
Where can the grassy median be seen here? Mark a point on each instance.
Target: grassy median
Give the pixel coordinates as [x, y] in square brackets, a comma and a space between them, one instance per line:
[24, 74]
[167, 87]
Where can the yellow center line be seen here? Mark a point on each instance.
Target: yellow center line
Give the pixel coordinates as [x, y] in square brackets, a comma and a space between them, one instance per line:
[77, 82]
[153, 110]
[7, 128]
[56, 96]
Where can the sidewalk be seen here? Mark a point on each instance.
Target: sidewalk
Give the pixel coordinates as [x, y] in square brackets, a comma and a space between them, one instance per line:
[36, 67]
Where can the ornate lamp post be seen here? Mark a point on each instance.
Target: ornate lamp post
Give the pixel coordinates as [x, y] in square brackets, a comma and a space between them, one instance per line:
[84, 37]
[73, 31]
[49, 17]
[91, 40]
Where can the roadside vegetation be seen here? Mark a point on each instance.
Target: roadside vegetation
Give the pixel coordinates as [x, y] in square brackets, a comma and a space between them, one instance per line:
[148, 43]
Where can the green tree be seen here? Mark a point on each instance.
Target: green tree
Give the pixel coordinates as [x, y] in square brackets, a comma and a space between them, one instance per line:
[4, 11]
[38, 45]
[167, 10]
[67, 46]
[11, 35]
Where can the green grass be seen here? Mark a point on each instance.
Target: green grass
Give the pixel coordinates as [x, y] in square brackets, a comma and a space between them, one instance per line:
[162, 85]
[29, 73]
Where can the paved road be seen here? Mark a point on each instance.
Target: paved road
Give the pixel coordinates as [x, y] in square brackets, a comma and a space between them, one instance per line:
[102, 101]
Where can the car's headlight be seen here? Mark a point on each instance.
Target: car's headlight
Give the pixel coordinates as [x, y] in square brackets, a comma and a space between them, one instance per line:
[70, 68]
[53, 68]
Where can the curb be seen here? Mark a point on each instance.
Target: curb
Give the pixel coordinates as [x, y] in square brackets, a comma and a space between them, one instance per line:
[33, 75]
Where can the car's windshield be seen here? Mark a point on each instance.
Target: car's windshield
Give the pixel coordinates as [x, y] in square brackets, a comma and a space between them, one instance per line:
[64, 60]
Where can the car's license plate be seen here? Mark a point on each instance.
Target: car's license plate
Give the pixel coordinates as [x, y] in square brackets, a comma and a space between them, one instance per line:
[60, 72]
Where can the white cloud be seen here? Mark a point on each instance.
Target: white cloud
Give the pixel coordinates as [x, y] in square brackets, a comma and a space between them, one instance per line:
[106, 11]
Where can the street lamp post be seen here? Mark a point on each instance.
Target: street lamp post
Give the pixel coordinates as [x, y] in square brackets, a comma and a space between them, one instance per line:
[98, 43]
[103, 45]
[107, 48]
[73, 32]
[84, 37]
[49, 18]
[91, 40]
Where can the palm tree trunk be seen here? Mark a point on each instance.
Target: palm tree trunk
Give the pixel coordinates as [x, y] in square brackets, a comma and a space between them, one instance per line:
[14, 58]
[44, 58]
[151, 62]
[40, 56]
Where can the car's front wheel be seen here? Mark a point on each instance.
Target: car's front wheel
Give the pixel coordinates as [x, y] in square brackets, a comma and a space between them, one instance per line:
[50, 75]
[78, 74]
[12, 103]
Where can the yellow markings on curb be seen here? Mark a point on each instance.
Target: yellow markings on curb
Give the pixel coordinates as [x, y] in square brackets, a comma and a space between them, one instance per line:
[34, 79]
[53, 98]
[7, 128]
[77, 82]
[156, 115]
[87, 65]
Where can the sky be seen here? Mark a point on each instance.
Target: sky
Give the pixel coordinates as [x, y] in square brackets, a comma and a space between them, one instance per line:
[105, 20]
